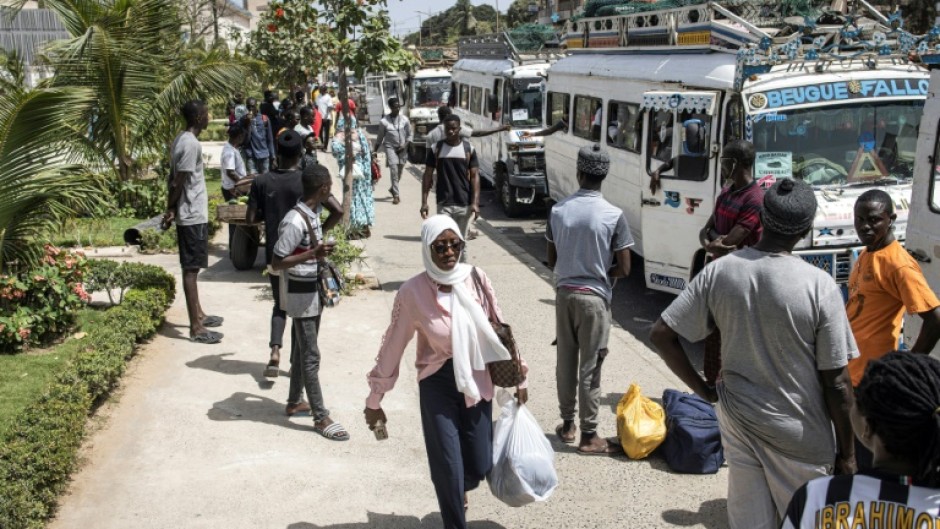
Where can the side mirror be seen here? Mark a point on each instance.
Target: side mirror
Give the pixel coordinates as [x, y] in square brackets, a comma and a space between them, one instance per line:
[492, 104]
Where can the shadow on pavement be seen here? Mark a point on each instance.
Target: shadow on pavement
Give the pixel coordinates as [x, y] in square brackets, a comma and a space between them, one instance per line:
[220, 364]
[392, 286]
[395, 521]
[247, 407]
[406, 238]
[711, 515]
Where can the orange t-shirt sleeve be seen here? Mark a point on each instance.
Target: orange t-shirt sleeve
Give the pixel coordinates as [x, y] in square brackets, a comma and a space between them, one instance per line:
[915, 293]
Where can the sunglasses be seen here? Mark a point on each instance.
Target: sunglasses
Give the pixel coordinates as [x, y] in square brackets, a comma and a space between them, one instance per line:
[440, 248]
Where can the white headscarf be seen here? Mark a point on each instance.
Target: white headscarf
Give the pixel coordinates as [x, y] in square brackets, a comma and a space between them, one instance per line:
[473, 341]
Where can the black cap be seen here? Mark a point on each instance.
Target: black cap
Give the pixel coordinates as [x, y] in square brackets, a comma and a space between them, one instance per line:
[290, 143]
[789, 207]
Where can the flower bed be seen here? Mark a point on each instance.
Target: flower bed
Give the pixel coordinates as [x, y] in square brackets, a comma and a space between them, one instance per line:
[38, 452]
[39, 303]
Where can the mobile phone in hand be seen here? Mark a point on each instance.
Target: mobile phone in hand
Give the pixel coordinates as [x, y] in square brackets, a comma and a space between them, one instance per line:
[380, 431]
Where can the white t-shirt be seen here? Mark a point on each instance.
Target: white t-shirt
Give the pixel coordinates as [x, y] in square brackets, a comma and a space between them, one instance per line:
[231, 161]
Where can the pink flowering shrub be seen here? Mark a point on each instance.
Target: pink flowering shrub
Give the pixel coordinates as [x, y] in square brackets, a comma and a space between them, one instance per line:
[39, 304]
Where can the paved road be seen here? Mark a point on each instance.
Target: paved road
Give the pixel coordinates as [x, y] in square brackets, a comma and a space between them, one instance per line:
[196, 438]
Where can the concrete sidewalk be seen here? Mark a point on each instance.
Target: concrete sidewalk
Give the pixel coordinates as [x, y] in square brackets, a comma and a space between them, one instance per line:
[197, 438]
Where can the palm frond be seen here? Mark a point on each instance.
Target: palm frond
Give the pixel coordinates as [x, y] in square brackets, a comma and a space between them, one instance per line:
[39, 183]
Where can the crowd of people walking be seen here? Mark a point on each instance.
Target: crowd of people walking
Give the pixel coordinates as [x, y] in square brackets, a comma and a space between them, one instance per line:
[823, 415]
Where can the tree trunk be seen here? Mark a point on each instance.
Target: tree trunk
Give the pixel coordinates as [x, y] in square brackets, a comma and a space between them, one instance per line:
[215, 22]
[350, 158]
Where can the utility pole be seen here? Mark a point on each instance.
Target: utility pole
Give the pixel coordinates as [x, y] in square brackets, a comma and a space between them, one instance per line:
[497, 16]
[421, 24]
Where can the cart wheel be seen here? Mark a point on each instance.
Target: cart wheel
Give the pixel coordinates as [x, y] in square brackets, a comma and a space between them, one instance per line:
[244, 248]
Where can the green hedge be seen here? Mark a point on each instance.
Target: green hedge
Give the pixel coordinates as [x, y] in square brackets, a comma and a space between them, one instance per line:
[39, 452]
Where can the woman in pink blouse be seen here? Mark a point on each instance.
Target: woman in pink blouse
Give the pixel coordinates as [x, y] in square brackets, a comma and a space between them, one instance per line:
[455, 342]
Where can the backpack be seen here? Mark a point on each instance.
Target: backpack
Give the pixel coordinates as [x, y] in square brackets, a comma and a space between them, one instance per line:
[693, 441]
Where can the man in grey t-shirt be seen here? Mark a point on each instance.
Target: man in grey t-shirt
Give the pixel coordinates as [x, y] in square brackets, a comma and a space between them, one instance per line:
[584, 234]
[783, 387]
[188, 205]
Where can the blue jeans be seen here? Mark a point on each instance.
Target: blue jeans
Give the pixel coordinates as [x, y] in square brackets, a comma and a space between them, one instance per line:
[258, 165]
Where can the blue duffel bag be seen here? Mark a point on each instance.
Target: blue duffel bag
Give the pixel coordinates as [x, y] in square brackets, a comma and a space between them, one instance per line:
[693, 442]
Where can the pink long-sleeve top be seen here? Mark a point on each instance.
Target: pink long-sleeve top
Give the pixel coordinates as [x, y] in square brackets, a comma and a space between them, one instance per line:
[417, 310]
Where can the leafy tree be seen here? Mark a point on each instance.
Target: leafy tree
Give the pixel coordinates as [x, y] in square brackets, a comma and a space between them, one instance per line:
[518, 13]
[132, 56]
[298, 39]
[291, 39]
[460, 20]
[40, 180]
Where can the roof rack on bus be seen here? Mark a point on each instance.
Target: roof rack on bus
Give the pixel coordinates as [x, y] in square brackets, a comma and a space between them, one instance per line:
[499, 46]
[761, 42]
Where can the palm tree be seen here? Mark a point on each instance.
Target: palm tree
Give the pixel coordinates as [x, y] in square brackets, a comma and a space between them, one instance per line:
[131, 54]
[40, 180]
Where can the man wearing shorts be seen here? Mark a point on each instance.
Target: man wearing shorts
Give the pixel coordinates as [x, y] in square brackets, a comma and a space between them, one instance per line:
[188, 205]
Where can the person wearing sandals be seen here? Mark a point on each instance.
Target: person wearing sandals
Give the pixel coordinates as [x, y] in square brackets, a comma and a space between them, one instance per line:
[299, 247]
[271, 196]
[188, 207]
[442, 305]
[585, 233]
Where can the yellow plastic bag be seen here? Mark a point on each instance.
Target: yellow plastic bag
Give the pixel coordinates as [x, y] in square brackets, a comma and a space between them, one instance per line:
[641, 423]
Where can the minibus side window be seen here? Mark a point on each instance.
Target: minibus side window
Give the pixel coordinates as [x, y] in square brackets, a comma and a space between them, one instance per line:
[933, 192]
[690, 132]
[624, 126]
[464, 96]
[587, 123]
[559, 109]
[476, 100]
[734, 120]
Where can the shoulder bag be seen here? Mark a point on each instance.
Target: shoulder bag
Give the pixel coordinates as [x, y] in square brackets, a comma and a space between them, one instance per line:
[329, 280]
[504, 373]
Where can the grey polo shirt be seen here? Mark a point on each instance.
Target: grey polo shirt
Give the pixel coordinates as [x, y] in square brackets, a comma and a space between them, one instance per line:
[587, 231]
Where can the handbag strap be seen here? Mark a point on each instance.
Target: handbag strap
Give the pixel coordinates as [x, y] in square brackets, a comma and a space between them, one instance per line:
[310, 230]
[486, 301]
[490, 311]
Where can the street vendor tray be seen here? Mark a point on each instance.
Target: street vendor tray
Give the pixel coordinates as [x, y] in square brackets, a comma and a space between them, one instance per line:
[232, 213]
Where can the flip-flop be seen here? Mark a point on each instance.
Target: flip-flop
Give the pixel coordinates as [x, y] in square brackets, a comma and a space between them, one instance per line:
[208, 337]
[567, 439]
[611, 449]
[272, 371]
[212, 321]
[333, 432]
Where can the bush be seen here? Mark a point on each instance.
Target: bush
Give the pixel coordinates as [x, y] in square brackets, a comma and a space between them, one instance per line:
[39, 452]
[38, 303]
[140, 198]
[156, 241]
[105, 275]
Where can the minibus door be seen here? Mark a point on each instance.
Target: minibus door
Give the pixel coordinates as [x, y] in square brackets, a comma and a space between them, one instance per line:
[680, 129]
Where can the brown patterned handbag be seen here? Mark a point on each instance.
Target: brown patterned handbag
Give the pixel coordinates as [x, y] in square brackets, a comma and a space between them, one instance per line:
[504, 373]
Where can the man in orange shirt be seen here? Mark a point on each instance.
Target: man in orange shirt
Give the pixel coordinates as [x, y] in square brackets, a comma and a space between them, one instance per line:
[885, 282]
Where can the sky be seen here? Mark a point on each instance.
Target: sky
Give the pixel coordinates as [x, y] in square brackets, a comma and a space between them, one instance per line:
[404, 13]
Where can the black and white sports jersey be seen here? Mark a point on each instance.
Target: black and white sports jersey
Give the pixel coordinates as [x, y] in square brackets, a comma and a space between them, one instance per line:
[864, 501]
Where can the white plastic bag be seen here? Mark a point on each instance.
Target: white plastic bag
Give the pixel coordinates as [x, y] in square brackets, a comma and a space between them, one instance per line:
[523, 459]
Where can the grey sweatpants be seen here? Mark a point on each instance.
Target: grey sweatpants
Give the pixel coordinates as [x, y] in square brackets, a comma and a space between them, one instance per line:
[582, 326]
[305, 367]
[395, 160]
[462, 215]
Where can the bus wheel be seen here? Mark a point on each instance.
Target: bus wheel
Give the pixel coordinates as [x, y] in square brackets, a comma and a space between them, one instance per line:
[244, 248]
[507, 195]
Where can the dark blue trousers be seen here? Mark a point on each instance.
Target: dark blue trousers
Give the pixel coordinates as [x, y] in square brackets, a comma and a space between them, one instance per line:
[459, 442]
